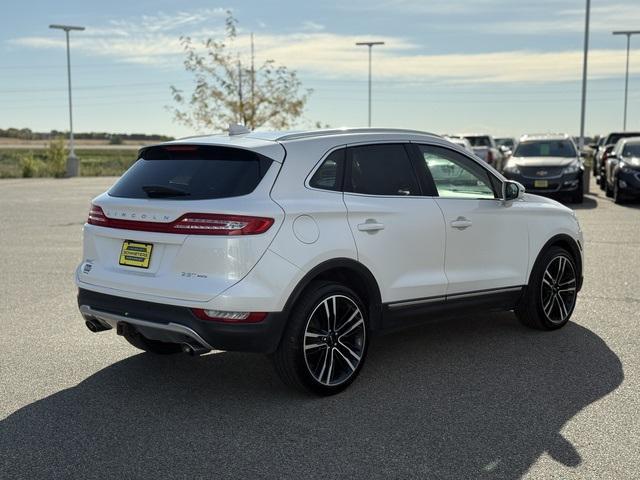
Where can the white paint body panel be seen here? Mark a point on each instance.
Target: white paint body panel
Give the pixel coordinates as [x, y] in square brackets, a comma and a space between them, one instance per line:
[416, 255]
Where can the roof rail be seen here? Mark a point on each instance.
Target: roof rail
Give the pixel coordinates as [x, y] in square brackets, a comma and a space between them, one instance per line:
[338, 131]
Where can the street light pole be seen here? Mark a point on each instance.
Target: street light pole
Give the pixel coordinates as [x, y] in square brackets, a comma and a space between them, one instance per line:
[584, 75]
[72, 161]
[370, 45]
[628, 33]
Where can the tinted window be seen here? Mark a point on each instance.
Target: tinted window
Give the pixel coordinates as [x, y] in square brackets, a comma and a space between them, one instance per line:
[456, 176]
[192, 173]
[482, 141]
[329, 175]
[381, 170]
[546, 148]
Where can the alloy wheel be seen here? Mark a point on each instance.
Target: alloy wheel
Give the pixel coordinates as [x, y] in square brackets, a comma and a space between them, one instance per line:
[334, 340]
[559, 289]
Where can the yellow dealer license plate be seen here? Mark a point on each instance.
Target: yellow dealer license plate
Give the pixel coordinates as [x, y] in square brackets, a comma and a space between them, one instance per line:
[136, 254]
[541, 183]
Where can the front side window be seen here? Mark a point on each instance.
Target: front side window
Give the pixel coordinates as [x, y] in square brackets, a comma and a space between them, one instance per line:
[546, 148]
[456, 176]
[384, 169]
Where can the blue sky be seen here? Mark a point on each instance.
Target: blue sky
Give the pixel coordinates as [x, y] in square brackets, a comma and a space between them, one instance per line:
[503, 66]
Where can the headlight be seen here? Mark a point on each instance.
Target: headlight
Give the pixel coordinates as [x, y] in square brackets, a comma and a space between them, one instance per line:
[625, 169]
[511, 168]
[573, 167]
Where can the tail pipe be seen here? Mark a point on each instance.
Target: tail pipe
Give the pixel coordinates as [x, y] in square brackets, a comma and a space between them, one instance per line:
[95, 325]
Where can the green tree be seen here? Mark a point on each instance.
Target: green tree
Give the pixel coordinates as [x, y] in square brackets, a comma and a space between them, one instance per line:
[229, 91]
[57, 157]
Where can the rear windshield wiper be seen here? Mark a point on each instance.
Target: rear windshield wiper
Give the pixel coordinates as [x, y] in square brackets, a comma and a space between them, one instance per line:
[163, 191]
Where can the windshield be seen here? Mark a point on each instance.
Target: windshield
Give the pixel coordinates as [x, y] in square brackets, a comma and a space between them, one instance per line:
[546, 148]
[631, 150]
[483, 141]
[192, 173]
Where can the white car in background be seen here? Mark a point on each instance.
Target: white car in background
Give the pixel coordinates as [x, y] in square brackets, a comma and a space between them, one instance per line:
[484, 146]
[461, 142]
[303, 245]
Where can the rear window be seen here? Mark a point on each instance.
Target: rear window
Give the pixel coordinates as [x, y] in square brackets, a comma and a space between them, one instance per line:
[482, 141]
[546, 148]
[184, 172]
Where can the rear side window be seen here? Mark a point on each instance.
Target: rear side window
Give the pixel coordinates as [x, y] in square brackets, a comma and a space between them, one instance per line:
[329, 175]
[380, 170]
[185, 172]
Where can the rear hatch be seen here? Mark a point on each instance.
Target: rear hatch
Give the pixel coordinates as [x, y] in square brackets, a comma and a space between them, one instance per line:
[185, 222]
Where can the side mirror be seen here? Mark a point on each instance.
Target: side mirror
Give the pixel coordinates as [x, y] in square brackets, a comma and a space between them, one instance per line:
[512, 190]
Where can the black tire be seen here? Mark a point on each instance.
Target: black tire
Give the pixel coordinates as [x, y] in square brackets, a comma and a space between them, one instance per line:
[538, 308]
[602, 182]
[578, 195]
[618, 196]
[608, 190]
[137, 340]
[309, 345]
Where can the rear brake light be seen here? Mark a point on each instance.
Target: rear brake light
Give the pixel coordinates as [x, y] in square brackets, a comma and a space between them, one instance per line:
[229, 317]
[489, 156]
[188, 224]
[96, 216]
[181, 148]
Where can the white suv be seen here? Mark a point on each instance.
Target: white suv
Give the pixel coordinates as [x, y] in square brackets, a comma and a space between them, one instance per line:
[303, 245]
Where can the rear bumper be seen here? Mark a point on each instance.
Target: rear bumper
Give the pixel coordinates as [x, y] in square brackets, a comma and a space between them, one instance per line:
[175, 324]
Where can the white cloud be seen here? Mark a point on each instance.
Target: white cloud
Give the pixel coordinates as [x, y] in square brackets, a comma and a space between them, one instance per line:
[603, 18]
[310, 26]
[153, 40]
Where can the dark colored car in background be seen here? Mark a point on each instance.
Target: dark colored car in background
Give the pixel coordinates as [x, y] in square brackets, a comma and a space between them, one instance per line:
[622, 170]
[547, 164]
[610, 140]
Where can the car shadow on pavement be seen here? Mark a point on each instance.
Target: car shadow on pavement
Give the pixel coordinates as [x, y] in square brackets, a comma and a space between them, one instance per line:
[589, 202]
[475, 397]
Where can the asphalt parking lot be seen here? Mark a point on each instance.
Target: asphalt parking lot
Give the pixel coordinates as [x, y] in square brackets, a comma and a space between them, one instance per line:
[477, 397]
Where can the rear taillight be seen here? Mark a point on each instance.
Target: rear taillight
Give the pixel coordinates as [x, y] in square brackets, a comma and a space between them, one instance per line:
[214, 224]
[489, 157]
[188, 224]
[96, 216]
[228, 317]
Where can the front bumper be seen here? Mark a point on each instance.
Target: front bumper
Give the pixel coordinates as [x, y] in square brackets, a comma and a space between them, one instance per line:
[170, 323]
[629, 182]
[562, 183]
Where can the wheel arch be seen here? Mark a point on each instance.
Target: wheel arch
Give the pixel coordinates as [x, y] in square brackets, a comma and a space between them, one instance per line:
[568, 243]
[350, 273]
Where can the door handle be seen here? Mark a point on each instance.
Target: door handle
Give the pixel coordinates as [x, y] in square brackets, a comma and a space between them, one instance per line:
[370, 226]
[461, 223]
